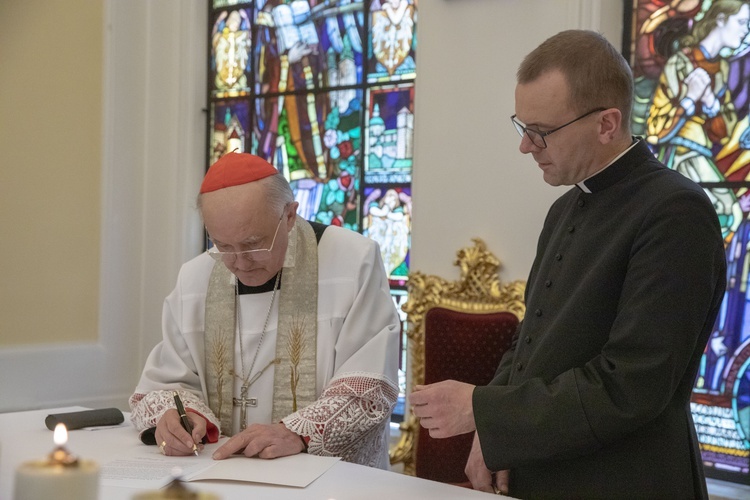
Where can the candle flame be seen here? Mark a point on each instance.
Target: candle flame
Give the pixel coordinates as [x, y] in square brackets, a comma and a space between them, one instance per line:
[61, 434]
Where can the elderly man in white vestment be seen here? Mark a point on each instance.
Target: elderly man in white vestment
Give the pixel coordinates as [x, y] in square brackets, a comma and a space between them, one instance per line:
[283, 335]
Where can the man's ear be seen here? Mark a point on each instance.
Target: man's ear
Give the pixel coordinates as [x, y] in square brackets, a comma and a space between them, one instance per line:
[291, 215]
[610, 121]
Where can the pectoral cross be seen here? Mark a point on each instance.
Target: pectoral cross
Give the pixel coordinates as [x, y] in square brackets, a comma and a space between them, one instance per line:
[243, 402]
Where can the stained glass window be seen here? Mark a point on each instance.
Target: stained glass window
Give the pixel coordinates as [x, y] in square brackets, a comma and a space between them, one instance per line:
[691, 63]
[324, 90]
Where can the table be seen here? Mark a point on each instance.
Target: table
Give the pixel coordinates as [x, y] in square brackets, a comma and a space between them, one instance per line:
[23, 437]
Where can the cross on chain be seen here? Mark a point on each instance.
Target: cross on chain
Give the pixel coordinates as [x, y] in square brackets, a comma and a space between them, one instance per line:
[243, 402]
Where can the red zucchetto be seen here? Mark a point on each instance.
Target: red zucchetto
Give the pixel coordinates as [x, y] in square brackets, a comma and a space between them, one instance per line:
[234, 169]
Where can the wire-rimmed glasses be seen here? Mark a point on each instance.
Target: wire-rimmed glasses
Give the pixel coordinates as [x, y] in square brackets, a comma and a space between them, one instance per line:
[537, 136]
[257, 255]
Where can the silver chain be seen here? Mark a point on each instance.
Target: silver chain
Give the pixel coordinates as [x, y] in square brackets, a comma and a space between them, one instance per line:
[245, 378]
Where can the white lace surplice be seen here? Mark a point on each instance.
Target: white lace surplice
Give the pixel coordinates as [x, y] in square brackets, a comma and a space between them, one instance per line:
[357, 353]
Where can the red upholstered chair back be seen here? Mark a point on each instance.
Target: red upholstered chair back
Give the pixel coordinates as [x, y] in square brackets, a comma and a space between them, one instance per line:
[457, 330]
[461, 346]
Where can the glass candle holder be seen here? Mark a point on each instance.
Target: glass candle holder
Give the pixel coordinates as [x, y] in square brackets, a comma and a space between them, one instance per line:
[60, 476]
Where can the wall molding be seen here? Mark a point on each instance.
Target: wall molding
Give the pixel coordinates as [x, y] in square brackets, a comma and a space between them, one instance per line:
[152, 162]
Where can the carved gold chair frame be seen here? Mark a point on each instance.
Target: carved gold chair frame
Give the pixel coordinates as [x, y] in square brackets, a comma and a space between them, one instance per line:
[477, 291]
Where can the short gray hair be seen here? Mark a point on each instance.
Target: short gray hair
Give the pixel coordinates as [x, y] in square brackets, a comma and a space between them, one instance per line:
[277, 189]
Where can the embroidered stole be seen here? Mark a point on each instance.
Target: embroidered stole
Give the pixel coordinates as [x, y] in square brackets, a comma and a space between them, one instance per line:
[296, 339]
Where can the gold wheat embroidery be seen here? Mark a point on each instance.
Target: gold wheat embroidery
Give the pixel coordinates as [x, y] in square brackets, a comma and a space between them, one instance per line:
[295, 347]
[220, 361]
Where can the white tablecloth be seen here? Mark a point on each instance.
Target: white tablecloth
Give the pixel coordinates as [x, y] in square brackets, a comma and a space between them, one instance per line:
[24, 437]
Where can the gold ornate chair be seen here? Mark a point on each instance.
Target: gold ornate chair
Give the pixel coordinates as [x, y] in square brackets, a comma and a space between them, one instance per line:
[456, 330]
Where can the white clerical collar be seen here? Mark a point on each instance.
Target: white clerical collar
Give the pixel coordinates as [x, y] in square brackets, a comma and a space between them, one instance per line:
[582, 184]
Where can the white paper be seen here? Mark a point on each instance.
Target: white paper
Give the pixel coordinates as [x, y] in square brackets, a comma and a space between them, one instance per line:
[150, 472]
[156, 471]
[294, 470]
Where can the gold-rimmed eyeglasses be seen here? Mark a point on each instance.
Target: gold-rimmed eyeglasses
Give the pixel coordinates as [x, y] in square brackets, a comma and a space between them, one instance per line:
[257, 255]
[537, 136]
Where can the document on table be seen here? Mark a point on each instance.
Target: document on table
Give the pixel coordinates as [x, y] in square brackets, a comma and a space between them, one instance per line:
[150, 472]
[294, 470]
[156, 472]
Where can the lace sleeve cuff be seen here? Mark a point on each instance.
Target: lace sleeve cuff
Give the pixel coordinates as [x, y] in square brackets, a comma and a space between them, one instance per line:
[349, 418]
[147, 409]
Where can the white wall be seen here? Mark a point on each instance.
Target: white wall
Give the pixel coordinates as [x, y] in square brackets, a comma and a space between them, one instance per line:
[153, 149]
[469, 179]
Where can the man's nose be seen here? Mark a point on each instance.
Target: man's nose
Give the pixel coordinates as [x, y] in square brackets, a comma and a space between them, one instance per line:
[527, 145]
[242, 263]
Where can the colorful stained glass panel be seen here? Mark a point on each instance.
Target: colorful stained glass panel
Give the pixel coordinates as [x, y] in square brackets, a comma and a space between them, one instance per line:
[393, 41]
[229, 127]
[304, 46]
[386, 218]
[389, 134]
[317, 147]
[675, 47]
[230, 53]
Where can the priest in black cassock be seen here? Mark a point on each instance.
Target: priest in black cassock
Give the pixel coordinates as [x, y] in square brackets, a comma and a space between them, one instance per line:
[592, 400]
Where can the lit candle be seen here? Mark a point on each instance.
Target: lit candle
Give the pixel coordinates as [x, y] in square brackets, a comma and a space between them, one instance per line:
[61, 476]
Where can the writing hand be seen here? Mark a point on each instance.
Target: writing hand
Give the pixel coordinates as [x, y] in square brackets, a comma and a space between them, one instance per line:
[173, 439]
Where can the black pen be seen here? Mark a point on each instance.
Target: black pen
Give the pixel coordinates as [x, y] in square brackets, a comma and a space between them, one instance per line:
[184, 419]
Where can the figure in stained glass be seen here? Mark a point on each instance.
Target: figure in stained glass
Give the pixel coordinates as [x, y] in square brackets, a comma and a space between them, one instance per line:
[393, 39]
[387, 220]
[230, 42]
[692, 74]
[304, 48]
[692, 109]
[692, 118]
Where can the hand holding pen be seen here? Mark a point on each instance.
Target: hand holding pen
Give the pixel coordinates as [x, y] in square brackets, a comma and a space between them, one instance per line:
[184, 419]
[179, 434]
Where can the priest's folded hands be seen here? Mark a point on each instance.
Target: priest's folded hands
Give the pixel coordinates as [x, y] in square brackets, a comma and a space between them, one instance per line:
[444, 408]
[262, 440]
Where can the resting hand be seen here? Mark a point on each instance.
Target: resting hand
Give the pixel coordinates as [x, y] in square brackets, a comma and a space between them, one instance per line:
[481, 477]
[172, 437]
[262, 440]
[444, 408]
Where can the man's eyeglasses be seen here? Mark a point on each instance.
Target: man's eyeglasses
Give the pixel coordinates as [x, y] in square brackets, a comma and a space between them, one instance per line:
[258, 255]
[536, 136]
